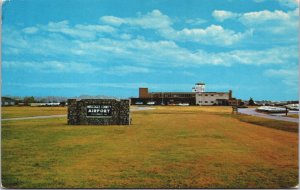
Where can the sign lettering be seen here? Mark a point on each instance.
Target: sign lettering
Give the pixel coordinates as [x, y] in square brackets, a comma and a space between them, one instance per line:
[98, 110]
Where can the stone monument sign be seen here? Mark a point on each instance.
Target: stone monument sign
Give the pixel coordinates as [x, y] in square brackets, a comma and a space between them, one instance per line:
[98, 112]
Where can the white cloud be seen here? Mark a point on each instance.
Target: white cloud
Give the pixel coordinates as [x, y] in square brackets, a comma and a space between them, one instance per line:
[126, 69]
[213, 34]
[95, 28]
[30, 30]
[155, 20]
[13, 39]
[195, 22]
[222, 15]
[259, 17]
[50, 66]
[189, 74]
[88, 44]
[77, 31]
[282, 72]
[112, 20]
[124, 85]
[125, 36]
[152, 20]
[289, 76]
[276, 55]
[277, 22]
[289, 3]
[151, 86]
[285, 3]
[72, 67]
[141, 52]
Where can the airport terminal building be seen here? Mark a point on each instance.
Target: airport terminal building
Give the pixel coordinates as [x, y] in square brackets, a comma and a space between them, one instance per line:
[198, 96]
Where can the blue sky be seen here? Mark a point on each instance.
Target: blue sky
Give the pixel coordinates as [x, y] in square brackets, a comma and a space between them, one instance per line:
[113, 47]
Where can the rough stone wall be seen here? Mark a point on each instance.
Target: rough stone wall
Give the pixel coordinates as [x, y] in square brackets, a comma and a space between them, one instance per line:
[77, 112]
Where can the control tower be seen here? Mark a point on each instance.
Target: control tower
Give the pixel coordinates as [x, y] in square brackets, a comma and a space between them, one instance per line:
[199, 87]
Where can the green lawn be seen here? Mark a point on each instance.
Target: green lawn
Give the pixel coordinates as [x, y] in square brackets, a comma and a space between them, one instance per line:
[293, 116]
[276, 124]
[169, 147]
[27, 111]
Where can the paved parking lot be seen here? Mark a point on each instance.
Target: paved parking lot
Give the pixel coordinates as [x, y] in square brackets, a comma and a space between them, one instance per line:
[251, 111]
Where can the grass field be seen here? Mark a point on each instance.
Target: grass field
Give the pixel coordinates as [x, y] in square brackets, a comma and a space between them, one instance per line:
[276, 124]
[169, 147]
[26, 111]
[293, 116]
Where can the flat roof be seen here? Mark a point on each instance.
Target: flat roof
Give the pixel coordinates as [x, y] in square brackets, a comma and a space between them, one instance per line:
[216, 92]
[188, 93]
[171, 92]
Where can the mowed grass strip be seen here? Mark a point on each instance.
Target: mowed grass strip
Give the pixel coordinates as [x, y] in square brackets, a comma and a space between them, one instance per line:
[293, 115]
[276, 124]
[169, 147]
[27, 111]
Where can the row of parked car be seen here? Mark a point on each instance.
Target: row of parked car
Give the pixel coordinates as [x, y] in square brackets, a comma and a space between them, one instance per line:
[46, 104]
[284, 109]
[153, 103]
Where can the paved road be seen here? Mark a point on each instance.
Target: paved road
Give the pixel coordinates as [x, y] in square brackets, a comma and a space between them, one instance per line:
[141, 108]
[54, 116]
[251, 111]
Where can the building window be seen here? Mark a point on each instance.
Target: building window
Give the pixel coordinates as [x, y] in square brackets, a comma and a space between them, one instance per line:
[205, 101]
[212, 95]
[211, 101]
[205, 94]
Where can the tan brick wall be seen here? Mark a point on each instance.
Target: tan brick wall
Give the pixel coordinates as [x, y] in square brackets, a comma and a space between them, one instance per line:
[143, 93]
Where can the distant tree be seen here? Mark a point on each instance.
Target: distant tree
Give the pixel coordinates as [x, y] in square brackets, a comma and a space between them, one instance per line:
[251, 102]
[63, 103]
[43, 100]
[28, 100]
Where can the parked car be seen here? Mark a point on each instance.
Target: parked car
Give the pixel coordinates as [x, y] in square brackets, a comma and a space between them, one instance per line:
[293, 107]
[150, 103]
[270, 109]
[183, 104]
